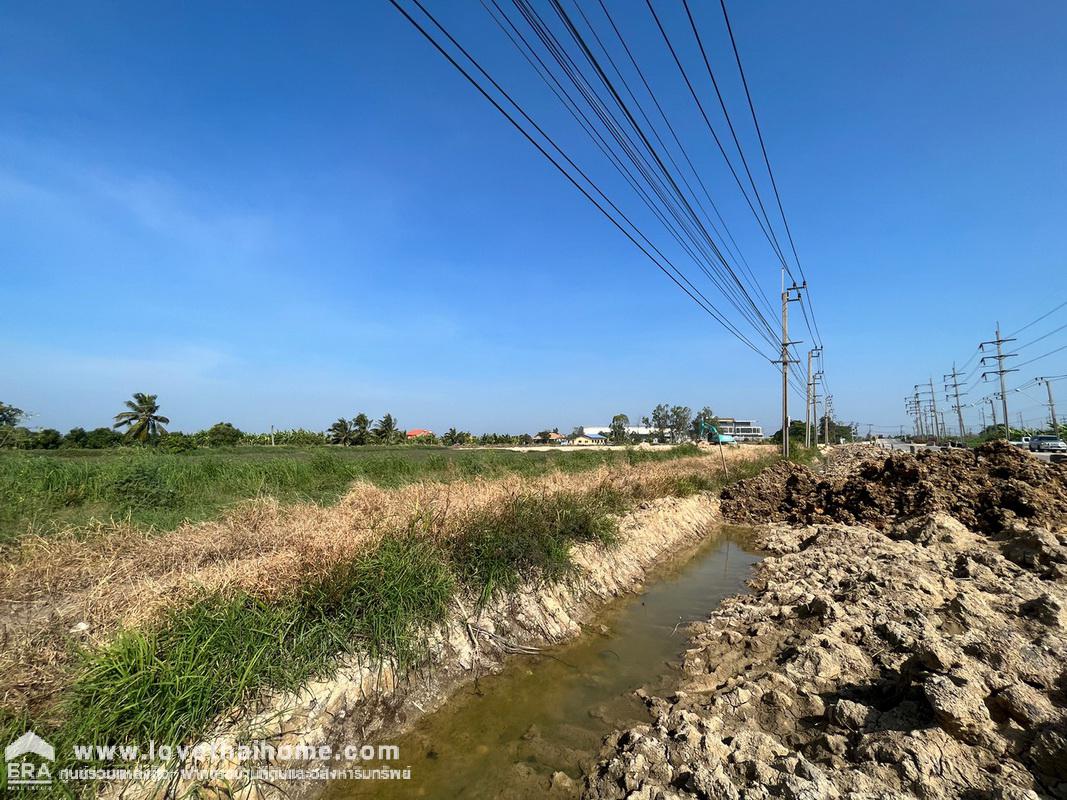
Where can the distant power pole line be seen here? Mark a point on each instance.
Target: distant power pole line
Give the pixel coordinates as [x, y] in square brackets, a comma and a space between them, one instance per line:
[1001, 372]
[790, 294]
[810, 399]
[933, 404]
[917, 406]
[956, 393]
[934, 427]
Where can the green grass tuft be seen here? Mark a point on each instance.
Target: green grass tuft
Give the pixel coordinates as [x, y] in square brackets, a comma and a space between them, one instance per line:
[530, 538]
[170, 682]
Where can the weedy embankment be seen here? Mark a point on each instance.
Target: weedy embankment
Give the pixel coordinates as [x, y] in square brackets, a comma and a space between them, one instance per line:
[124, 635]
[50, 492]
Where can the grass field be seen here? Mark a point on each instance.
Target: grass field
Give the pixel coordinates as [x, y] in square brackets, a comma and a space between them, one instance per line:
[225, 610]
[44, 492]
[216, 648]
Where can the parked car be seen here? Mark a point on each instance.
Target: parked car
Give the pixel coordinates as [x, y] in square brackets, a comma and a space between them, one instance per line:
[1047, 444]
[1023, 442]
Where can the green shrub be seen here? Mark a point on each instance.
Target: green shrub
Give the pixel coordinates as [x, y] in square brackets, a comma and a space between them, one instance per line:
[177, 442]
[141, 484]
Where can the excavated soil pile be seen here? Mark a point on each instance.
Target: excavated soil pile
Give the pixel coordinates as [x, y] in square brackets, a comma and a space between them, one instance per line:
[986, 489]
[907, 656]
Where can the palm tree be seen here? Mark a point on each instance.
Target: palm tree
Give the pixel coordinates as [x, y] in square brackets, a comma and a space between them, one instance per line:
[362, 433]
[141, 421]
[341, 432]
[386, 428]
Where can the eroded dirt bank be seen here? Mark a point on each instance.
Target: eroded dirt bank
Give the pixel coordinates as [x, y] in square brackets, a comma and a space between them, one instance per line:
[365, 701]
[906, 638]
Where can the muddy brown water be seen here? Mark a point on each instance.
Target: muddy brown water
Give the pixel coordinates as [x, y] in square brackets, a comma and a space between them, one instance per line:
[505, 736]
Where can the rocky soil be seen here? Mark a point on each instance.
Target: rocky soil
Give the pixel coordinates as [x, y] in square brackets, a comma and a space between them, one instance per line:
[906, 637]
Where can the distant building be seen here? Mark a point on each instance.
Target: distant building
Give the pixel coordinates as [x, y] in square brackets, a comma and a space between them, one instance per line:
[743, 430]
[550, 438]
[415, 433]
[631, 430]
[587, 439]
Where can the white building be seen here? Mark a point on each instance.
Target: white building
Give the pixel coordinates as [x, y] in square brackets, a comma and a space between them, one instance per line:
[636, 430]
[744, 430]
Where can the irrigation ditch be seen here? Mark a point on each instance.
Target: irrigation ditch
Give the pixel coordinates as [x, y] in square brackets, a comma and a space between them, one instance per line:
[347, 623]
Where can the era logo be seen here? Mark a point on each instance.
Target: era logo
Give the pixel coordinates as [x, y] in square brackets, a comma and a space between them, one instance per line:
[22, 772]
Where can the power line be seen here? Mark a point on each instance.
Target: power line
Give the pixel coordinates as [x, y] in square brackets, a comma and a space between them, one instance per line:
[608, 109]
[1043, 316]
[674, 135]
[755, 315]
[693, 295]
[766, 158]
[733, 132]
[1044, 355]
[1044, 336]
[711, 129]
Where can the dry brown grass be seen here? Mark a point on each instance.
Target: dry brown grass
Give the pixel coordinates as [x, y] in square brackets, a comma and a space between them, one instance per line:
[117, 576]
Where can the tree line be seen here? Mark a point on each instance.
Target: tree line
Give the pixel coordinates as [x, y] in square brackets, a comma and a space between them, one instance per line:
[140, 422]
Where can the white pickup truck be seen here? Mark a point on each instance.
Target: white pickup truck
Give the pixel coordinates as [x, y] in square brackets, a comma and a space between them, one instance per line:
[1024, 442]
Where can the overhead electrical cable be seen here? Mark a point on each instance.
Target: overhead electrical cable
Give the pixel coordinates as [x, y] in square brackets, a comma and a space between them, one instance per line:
[670, 183]
[1043, 316]
[715, 137]
[636, 237]
[682, 149]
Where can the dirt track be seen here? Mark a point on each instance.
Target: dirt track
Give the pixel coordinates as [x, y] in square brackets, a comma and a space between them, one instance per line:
[907, 637]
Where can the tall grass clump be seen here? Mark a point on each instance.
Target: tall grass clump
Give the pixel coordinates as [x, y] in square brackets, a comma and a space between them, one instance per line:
[170, 682]
[531, 537]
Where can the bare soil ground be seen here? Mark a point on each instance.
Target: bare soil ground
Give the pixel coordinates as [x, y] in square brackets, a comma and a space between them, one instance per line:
[906, 637]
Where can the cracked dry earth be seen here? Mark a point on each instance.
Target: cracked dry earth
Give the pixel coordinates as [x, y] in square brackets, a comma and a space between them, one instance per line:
[908, 656]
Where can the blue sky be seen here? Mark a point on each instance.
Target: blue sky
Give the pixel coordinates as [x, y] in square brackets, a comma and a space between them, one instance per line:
[281, 214]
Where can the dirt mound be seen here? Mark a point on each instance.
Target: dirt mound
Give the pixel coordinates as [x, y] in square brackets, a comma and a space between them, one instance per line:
[987, 489]
[884, 650]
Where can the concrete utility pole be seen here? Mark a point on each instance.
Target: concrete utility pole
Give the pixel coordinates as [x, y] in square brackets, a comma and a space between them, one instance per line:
[933, 403]
[810, 399]
[807, 404]
[918, 413]
[1051, 406]
[932, 428]
[993, 412]
[1001, 372]
[787, 298]
[815, 379]
[828, 409]
[956, 390]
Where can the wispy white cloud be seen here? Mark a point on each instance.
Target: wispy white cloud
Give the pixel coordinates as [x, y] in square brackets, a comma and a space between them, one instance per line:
[152, 203]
